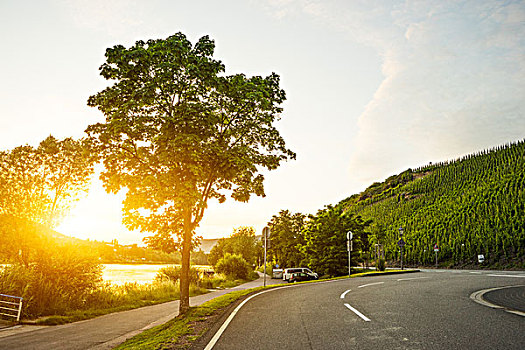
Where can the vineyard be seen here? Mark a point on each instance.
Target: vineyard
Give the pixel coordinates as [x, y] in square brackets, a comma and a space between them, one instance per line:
[470, 206]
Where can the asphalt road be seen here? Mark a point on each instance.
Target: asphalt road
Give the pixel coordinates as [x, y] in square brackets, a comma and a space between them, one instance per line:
[427, 310]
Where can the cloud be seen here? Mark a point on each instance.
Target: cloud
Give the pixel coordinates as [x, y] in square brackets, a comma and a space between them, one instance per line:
[454, 74]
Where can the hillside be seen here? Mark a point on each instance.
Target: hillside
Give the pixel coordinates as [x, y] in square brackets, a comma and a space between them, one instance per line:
[468, 206]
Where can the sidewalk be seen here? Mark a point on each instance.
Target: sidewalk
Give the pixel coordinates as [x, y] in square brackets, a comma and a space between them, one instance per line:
[104, 332]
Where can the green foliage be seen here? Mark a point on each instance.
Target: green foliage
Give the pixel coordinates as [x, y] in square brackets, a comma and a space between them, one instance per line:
[233, 266]
[39, 184]
[242, 242]
[325, 248]
[286, 238]
[469, 206]
[58, 279]
[173, 273]
[178, 132]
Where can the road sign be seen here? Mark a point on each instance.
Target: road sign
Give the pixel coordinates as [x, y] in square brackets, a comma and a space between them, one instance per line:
[401, 243]
[436, 248]
[349, 246]
[349, 235]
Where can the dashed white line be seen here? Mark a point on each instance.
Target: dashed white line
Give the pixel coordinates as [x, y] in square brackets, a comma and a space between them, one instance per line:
[413, 278]
[370, 284]
[366, 319]
[345, 293]
[519, 276]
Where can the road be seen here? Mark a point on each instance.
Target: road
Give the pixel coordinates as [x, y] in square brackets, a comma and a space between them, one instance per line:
[103, 332]
[432, 309]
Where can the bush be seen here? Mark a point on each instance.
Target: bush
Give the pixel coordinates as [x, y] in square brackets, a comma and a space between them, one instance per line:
[233, 266]
[173, 273]
[380, 264]
[57, 280]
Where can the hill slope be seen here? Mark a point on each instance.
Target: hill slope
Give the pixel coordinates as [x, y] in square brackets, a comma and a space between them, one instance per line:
[469, 206]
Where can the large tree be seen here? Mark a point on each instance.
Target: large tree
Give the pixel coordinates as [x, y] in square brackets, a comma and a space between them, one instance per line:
[325, 249]
[179, 132]
[287, 237]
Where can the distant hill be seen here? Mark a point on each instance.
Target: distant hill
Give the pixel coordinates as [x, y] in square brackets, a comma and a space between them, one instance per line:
[468, 206]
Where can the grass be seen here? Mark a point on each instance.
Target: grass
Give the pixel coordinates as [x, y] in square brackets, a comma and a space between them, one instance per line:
[115, 298]
[180, 332]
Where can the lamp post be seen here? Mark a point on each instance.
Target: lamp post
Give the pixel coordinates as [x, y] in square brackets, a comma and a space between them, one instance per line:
[266, 235]
[349, 236]
[401, 244]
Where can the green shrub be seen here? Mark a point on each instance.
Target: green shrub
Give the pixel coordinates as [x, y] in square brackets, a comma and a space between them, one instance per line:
[380, 264]
[233, 266]
[173, 273]
[57, 280]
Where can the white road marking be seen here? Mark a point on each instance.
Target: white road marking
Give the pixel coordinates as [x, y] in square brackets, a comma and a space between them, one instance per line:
[345, 293]
[357, 313]
[370, 284]
[413, 278]
[221, 330]
[519, 276]
[476, 272]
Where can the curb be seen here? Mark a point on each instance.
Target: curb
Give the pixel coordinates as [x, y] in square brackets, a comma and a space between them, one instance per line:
[478, 298]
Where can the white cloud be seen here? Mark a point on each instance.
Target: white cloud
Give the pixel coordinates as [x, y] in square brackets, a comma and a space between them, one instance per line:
[454, 79]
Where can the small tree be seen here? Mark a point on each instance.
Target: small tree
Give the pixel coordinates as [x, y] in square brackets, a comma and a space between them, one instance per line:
[179, 132]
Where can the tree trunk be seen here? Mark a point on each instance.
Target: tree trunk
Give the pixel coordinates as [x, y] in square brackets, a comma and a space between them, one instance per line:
[185, 274]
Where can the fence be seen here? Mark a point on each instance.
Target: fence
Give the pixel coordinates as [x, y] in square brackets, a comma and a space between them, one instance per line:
[10, 306]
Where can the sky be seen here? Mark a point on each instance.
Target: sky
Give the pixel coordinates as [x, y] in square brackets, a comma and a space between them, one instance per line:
[373, 87]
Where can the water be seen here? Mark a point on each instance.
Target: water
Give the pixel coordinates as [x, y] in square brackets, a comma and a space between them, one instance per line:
[122, 273]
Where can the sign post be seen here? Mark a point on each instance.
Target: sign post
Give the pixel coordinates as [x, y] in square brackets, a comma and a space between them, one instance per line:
[349, 236]
[266, 235]
[436, 250]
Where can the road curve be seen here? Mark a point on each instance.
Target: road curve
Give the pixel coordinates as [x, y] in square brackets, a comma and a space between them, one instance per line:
[428, 310]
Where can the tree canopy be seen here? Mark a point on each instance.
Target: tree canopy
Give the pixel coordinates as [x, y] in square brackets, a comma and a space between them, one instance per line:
[40, 183]
[179, 132]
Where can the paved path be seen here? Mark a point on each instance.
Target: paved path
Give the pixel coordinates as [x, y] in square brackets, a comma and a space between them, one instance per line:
[107, 331]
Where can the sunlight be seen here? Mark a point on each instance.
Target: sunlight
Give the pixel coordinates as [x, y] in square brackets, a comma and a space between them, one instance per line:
[98, 216]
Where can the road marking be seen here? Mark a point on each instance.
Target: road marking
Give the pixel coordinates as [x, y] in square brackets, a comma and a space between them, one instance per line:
[370, 284]
[413, 278]
[221, 330]
[476, 272]
[345, 293]
[519, 276]
[366, 319]
[478, 298]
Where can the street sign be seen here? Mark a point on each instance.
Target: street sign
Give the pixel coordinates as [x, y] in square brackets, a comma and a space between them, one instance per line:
[266, 232]
[481, 258]
[349, 235]
[436, 248]
[349, 246]
[401, 243]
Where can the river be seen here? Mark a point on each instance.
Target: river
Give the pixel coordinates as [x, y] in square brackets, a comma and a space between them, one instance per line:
[129, 273]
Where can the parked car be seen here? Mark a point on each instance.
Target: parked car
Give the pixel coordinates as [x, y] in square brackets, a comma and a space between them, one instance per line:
[301, 276]
[287, 273]
[277, 273]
